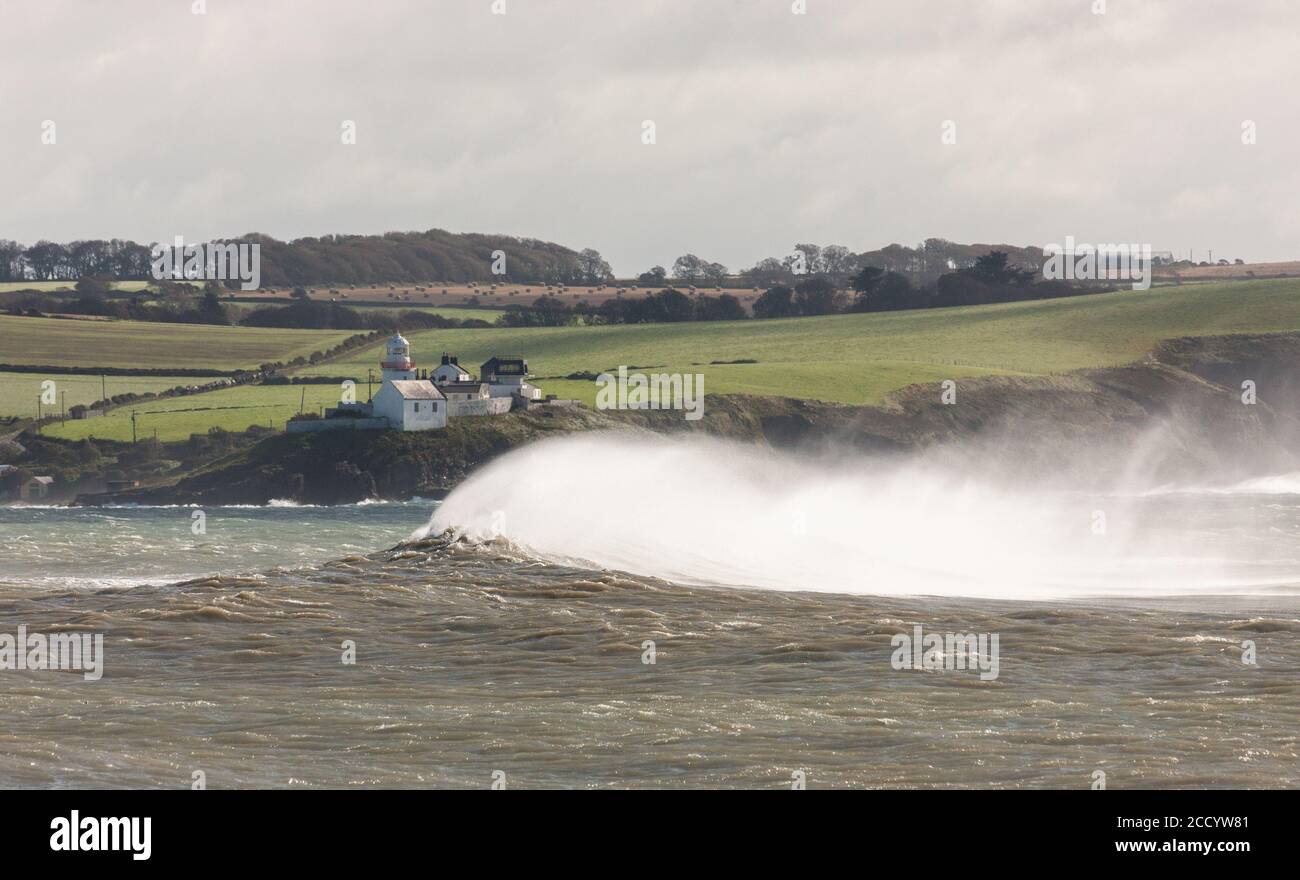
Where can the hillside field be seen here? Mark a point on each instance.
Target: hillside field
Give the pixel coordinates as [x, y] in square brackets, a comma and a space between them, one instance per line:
[176, 418]
[860, 358]
[47, 286]
[854, 359]
[19, 392]
[73, 343]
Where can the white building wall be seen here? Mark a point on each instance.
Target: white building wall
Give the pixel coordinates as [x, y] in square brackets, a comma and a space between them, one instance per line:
[450, 373]
[507, 389]
[484, 406]
[404, 415]
[424, 415]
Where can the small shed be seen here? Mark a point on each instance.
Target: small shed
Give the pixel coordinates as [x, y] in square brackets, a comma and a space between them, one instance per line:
[35, 488]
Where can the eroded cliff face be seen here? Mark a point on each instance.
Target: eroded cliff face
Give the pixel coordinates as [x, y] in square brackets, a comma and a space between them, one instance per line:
[341, 467]
[1180, 412]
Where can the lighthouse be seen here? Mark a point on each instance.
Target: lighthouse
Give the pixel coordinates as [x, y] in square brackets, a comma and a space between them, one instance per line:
[408, 402]
[405, 402]
[397, 363]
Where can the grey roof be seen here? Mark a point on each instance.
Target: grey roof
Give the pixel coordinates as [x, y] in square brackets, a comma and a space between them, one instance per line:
[499, 359]
[45, 481]
[416, 389]
[463, 387]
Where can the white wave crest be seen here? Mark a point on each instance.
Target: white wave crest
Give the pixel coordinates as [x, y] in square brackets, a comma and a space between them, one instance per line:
[707, 511]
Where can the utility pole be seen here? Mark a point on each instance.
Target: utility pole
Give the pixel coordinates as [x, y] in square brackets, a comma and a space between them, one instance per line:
[103, 388]
[63, 408]
[370, 376]
[302, 401]
[133, 426]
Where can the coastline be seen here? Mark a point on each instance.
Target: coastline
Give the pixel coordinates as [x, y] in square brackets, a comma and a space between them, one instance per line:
[1189, 389]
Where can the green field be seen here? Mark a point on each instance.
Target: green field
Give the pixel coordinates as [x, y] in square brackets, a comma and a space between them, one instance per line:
[844, 358]
[462, 312]
[61, 342]
[19, 392]
[46, 286]
[367, 305]
[861, 358]
[175, 418]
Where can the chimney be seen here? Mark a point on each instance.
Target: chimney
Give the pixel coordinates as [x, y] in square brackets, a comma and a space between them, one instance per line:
[455, 360]
[445, 360]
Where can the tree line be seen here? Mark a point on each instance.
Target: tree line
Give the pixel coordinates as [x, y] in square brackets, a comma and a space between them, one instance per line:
[991, 278]
[331, 259]
[51, 261]
[668, 306]
[439, 255]
[921, 265]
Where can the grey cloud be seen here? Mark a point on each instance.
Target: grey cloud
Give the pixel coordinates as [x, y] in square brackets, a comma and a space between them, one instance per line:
[772, 128]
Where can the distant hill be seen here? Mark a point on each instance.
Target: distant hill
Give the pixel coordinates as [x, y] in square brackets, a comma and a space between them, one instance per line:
[435, 255]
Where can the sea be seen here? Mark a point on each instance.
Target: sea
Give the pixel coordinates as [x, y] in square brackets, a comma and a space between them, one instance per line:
[614, 612]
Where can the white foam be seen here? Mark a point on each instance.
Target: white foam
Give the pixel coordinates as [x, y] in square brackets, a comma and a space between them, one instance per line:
[1276, 484]
[705, 511]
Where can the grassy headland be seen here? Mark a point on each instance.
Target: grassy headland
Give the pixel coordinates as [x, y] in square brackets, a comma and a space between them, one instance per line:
[850, 358]
[860, 358]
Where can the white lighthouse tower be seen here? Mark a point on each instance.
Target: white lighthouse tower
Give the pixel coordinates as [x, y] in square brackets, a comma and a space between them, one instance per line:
[397, 363]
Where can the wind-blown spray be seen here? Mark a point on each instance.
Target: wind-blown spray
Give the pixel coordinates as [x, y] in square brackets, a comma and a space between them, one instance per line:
[713, 512]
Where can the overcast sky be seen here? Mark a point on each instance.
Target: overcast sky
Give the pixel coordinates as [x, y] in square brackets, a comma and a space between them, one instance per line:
[771, 128]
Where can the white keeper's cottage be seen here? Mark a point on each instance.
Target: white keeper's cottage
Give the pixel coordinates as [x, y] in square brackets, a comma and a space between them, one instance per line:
[450, 370]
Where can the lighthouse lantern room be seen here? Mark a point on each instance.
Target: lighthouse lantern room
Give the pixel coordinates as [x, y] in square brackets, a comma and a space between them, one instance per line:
[397, 363]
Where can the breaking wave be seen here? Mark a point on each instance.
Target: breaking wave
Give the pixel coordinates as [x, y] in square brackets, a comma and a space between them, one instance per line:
[712, 512]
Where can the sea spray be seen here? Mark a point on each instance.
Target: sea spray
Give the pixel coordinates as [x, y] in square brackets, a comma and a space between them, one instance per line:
[704, 511]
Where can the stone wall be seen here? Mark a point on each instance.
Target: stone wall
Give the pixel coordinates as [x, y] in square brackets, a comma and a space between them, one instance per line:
[493, 406]
[305, 426]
